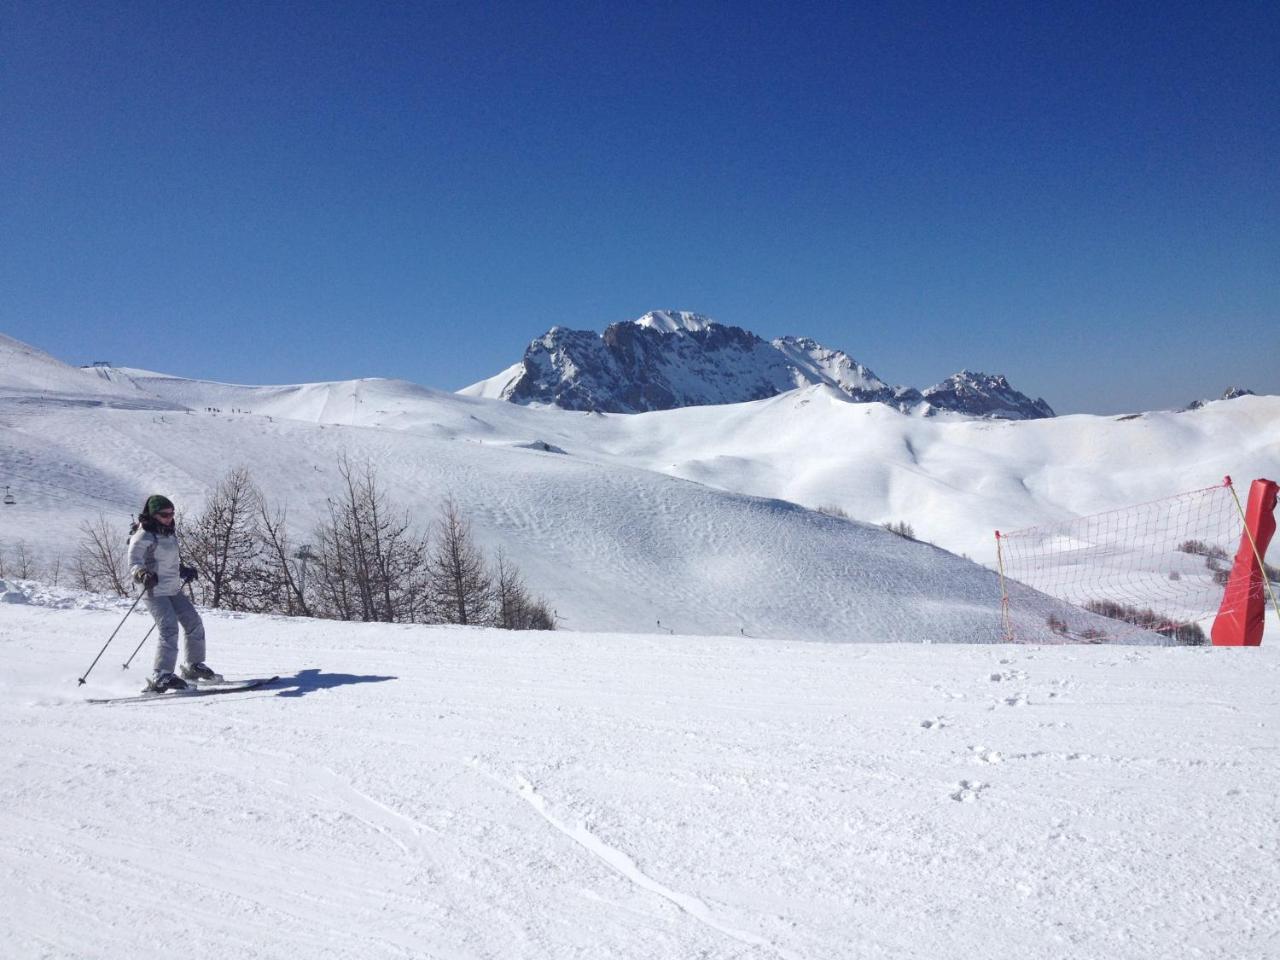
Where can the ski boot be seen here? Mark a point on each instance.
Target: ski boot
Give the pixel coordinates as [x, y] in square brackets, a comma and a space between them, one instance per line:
[163, 683]
[199, 671]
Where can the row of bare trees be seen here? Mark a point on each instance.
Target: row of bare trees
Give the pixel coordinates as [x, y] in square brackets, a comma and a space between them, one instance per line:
[21, 561]
[366, 561]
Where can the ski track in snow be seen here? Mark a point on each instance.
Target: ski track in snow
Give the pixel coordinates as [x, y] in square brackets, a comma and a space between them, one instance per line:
[618, 861]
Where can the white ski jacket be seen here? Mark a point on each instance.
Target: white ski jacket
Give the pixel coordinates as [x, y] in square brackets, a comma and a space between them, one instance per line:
[158, 554]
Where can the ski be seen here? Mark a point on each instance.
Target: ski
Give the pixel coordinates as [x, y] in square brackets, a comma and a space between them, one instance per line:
[204, 690]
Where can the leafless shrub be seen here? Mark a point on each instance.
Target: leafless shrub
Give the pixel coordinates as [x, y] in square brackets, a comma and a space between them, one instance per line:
[1221, 575]
[1184, 632]
[1200, 548]
[901, 528]
[102, 562]
[513, 607]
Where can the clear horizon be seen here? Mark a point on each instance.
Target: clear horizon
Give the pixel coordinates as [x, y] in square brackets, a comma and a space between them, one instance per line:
[1084, 200]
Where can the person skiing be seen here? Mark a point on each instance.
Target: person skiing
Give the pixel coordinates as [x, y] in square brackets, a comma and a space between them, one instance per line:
[154, 562]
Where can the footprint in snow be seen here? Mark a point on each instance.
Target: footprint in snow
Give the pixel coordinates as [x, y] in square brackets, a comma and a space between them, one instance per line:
[969, 791]
[983, 755]
[1008, 675]
[937, 723]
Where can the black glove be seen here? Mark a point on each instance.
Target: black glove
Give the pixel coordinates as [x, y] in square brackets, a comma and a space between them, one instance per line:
[146, 578]
[188, 573]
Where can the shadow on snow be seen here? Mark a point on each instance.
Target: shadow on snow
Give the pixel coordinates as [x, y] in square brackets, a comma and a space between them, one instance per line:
[309, 681]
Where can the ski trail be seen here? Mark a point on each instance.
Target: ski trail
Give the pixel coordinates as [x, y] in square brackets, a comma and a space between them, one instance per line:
[622, 864]
[380, 818]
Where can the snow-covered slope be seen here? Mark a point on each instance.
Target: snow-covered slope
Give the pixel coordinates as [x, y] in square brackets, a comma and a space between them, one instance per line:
[612, 547]
[30, 374]
[450, 792]
[954, 480]
[625, 521]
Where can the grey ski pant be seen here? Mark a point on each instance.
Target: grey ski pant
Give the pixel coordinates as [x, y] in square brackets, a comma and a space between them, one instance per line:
[168, 613]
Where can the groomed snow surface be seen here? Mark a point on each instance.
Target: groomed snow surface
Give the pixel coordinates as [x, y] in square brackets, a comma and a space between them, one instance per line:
[408, 791]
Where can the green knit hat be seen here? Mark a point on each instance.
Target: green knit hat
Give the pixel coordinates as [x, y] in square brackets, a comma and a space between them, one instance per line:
[156, 502]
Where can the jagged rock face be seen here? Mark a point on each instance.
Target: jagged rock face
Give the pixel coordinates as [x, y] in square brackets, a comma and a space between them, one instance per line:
[670, 359]
[985, 395]
[635, 367]
[1231, 393]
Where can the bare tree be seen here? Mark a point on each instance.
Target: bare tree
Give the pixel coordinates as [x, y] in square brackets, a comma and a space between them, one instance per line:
[25, 568]
[333, 580]
[369, 563]
[223, 544]
[513, 606]
[460, 589]
[103, 561]
[541, 616]
[279, 574]
[510, 596]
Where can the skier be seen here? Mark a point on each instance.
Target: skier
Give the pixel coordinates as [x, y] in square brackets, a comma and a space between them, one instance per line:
[154, 562]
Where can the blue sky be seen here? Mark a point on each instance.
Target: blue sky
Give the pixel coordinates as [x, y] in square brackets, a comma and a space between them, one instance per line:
[1084, 197]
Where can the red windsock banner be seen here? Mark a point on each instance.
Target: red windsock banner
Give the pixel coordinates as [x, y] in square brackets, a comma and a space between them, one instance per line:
[1244, 604]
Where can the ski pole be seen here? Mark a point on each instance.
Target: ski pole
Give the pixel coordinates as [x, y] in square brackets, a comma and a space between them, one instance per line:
[139, 647]
[112, 637]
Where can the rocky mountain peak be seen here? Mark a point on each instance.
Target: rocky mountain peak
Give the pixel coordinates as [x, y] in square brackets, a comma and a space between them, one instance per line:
[676, 358]
[1231, 393]
[985, 395]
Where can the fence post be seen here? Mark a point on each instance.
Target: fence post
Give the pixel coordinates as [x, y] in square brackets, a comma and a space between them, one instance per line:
[1006, 622]
[1243, 612]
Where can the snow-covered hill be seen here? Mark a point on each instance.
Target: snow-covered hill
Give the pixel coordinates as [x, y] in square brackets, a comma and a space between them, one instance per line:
[670, 359]
[449, 792]
[29, 374]
[954, 480]
[613, 547]
[686, 519]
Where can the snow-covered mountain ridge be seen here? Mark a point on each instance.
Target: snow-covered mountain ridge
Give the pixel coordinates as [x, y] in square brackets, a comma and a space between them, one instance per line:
[670, 359]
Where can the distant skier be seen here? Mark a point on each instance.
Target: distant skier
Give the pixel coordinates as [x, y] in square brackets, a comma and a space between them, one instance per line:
[154, 562]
